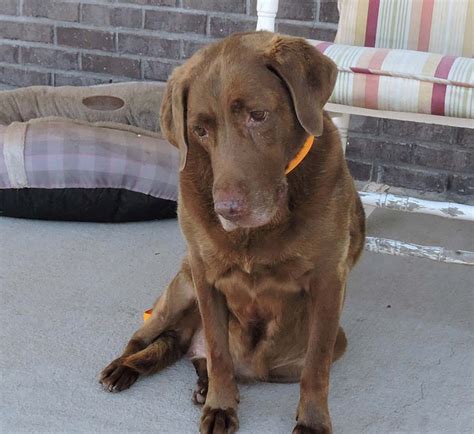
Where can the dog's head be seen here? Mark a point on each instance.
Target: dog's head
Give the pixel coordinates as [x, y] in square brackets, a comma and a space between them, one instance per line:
[250, 101]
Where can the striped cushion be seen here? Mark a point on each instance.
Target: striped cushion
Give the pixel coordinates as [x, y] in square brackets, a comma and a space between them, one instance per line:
[436, 26]
[402, 80]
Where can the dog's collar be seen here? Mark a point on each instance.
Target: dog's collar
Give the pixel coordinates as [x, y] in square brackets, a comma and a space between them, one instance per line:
[300, 156]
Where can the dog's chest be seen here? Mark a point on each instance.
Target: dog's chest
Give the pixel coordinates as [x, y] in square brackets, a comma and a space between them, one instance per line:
[256, 279]
[266, 305]
[259, 294]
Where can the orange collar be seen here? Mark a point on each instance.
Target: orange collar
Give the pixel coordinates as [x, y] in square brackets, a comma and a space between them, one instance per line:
[300, 155]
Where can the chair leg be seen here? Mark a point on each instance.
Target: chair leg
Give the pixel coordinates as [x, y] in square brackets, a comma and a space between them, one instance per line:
[341, 120]
[373, 187]
[266, 13]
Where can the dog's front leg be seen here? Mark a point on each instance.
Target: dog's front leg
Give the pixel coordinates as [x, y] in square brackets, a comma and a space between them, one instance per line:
[219, 414]
[326, 296]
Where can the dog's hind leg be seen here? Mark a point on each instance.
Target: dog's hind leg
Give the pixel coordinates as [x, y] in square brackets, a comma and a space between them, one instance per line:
[162, 339]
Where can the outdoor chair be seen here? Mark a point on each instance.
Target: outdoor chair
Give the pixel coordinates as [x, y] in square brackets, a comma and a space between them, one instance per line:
[408, 60]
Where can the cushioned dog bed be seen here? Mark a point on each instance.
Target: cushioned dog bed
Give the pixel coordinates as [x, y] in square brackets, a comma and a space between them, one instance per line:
[89, 154]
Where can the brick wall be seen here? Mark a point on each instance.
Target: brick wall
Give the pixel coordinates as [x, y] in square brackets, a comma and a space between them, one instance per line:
[67, 42]
[426, 157]
[61, 42]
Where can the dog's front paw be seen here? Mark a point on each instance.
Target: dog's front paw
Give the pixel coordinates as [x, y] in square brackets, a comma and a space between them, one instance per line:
[303, 429]
[117, 377]
[219, 421]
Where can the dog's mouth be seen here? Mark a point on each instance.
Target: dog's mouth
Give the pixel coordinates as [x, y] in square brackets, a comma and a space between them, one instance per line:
[246, 222]
[257, 216]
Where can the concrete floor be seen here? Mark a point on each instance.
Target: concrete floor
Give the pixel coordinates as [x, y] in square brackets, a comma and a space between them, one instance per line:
[72, 294]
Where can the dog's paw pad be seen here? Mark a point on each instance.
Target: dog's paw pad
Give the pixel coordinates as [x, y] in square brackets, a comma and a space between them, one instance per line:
[219, 421]
[303, 429]
[117, 377]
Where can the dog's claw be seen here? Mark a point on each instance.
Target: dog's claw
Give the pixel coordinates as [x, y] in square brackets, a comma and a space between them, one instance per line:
[219, 421]
[199, 396]
[117, 377]
[200, 392]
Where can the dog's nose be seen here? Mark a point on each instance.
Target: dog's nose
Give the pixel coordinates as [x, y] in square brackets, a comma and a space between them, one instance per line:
[231, 207]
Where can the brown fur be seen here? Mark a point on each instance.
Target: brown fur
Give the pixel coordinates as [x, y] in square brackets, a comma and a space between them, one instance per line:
[270, 291]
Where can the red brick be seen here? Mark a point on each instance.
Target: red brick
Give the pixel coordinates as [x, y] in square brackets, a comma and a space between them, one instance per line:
[158, 70]
[9, 53]
[221, 27]
[9, 7]
[463, 185]
[83, 38]
[175, 22]
[416, 131]
[310, 31]
[31, 32]
[190, 47]
[151, 46]
[360, 170]
[442, 158]
[234, 6]
[303, 10]
[55, 10]
[410, 177]
[64, 79]
[23, 77]
[102, 15]
[150, 2]
[465, 137]
[363, 124]
[328, 12]
[48, 57]
[111, 65]
[378, 149]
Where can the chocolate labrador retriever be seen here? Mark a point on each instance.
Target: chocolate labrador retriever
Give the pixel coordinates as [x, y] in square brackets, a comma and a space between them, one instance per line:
[273, 224]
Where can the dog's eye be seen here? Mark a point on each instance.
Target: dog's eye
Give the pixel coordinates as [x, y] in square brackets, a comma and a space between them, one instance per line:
[200, 131]
[258, 115]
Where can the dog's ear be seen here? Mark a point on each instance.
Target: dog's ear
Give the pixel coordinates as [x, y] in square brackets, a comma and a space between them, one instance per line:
[309, 75]
[173, 115]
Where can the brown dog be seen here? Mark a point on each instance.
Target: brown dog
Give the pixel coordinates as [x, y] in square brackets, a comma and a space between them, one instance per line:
[269, 253]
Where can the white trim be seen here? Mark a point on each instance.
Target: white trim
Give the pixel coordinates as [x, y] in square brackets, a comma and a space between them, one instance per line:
[14, 153]
[342, 123]
[402, 116]
[374, 188]
[451, 210]
[400, 248]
